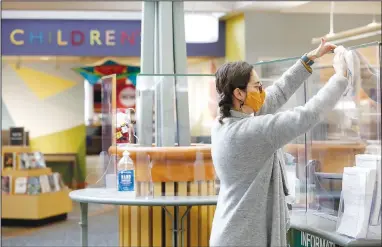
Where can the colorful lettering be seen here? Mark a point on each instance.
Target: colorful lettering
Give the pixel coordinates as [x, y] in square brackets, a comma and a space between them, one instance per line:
[129, 38]
[61, 42]
[81, 35]
[50, 38]
[95, 37]
[110, 37]
[13, 39]
[39, 37]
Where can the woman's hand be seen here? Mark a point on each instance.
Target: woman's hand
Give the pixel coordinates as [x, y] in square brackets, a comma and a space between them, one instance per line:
[321, 50]
[339, 62]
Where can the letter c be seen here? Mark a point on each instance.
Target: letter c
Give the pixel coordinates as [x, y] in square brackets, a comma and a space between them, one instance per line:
[12, 37]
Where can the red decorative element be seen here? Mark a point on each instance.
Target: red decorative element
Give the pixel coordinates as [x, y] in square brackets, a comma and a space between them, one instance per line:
[125, 94]
[110, 69]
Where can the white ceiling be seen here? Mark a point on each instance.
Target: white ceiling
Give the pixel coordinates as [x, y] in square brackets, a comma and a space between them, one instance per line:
[199, 6]
[344, 7]
[349, 7]
[108, 6]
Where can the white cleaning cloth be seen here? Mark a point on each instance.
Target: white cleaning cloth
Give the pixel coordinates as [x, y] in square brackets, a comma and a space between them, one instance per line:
[348, 61]
[339, 62]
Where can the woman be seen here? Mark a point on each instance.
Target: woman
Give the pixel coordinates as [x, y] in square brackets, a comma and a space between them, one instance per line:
[246, 139]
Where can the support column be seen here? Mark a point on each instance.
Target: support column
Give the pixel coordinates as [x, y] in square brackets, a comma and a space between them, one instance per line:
[165, 98]
[181, 82]
[145, 98]
[164, 53]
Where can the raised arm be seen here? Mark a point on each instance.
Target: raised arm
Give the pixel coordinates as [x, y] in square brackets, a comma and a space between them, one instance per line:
[280, 92]
[283, 127]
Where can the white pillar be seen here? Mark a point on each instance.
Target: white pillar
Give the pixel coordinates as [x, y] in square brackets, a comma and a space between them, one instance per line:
[181, 83]
[145, 98]
[165, 97]
[163, 52]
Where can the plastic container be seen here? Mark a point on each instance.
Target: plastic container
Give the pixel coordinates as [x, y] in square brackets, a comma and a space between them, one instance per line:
[126, 175]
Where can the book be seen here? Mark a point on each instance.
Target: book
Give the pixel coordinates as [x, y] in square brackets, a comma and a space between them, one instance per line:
[6, 184]
[61, 181]
[44, 182]
[57, 181]
[38, 160]
[25, 162]
[33, 186]
[32, 160]
[21, 185]
[52, 184]
[9, 161]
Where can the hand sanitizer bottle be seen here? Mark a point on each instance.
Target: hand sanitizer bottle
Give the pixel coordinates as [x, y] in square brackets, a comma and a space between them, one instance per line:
[126, 174]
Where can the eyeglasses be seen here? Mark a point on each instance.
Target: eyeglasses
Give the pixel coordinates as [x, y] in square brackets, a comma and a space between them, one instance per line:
[260, 86]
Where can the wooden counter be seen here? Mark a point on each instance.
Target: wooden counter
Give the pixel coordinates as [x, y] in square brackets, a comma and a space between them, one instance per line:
[171, 164]
[175, 171]
[333, 155]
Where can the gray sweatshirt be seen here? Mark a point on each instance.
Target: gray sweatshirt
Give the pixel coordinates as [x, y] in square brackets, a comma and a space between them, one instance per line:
[251, 209]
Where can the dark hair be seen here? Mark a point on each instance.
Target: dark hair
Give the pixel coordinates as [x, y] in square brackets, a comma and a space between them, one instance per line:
[230, 76]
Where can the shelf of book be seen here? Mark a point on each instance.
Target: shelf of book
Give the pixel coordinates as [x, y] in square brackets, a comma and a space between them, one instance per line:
[30, 190]
[35, 207]
[7, 148]
[27, 173]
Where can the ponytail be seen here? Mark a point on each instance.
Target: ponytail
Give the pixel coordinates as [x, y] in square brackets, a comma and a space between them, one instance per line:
[225, 105]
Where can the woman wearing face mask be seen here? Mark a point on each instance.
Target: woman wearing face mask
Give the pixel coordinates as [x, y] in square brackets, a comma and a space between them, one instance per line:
[246, 142]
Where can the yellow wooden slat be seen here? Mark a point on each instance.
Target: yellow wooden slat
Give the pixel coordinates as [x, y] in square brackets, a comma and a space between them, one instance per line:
[136, 223]
[193, 233]
[211, 209]
[125, 226]
[182, 191]
[169, 192]
[157, 218]
[145, 227]
[203, 216]
[121, 235]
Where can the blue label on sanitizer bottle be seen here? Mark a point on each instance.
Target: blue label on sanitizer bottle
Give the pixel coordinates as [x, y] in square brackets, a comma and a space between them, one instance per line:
[126, 180]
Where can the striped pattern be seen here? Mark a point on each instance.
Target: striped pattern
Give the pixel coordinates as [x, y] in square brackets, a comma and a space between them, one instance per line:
[151, 227]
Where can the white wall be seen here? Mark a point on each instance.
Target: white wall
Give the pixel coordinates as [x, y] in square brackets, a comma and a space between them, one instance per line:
[36, 99]
[288, 35]
[6, 119]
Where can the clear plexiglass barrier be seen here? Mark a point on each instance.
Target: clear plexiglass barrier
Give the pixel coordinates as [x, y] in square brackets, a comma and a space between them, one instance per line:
[333, 170]
[166, 134]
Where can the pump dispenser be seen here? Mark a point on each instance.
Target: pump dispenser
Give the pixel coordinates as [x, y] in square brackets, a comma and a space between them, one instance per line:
[126, 174]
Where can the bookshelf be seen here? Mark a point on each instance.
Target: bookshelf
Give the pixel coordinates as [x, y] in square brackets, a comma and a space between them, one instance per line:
[49, 200]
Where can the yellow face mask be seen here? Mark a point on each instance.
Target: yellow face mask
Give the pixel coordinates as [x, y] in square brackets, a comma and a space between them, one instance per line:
[255, 100]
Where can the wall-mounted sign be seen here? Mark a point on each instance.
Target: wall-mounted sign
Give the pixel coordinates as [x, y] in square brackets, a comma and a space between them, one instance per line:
[17, 136]
[125, 94]
[86, 38]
